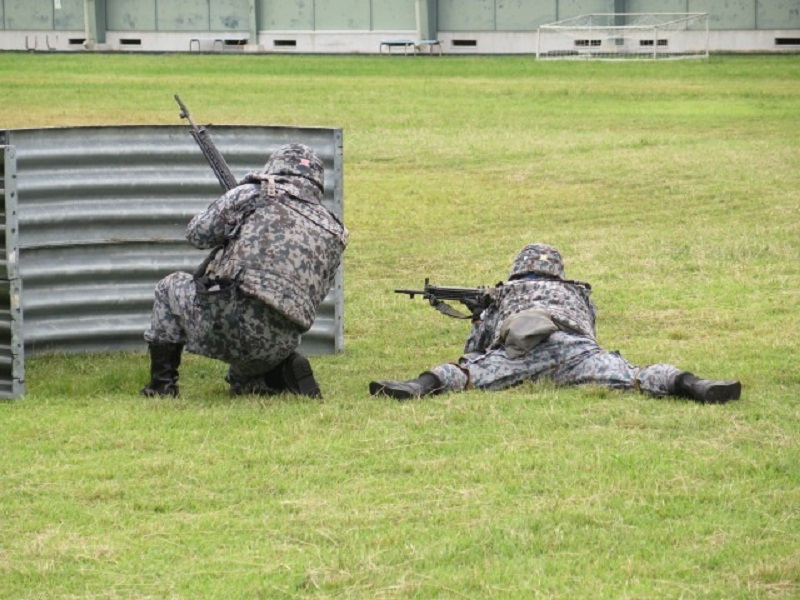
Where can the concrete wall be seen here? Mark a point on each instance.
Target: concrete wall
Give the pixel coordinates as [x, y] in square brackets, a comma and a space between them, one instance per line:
[358, 26]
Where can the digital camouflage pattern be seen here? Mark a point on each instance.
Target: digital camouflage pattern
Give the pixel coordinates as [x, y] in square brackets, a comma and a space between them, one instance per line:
[296, 160]
[277, 250]
[568, 304]
[565, 358]
[570, 356]
[222, 323]
[542, 259]
[281, 244]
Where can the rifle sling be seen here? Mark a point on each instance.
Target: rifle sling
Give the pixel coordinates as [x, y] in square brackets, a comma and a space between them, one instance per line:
[448, 310]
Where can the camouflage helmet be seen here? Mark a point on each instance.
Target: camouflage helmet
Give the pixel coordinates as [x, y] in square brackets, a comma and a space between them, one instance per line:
[541, 259]
[296, 160]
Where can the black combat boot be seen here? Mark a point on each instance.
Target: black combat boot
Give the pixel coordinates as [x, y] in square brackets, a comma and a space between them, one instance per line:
[164, 362]
[269, 384]
[710, 391]
[297, 376]
[426, 384]
[293, 375]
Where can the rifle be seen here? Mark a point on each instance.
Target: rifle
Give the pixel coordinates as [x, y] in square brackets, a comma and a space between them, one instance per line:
[209, 150]
[217, 164]
[475, 299]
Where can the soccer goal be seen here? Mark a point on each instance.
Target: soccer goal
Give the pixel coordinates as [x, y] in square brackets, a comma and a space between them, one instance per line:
[625, 36]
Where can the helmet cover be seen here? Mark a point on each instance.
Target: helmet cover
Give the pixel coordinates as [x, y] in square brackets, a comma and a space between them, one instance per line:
[540, 259]
[296, 160]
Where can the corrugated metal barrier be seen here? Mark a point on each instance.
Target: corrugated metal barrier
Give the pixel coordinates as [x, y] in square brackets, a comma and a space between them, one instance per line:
[12, 367]
[94, 217]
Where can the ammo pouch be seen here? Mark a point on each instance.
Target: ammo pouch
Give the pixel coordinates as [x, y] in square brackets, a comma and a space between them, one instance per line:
[525, 330]
[206, 285]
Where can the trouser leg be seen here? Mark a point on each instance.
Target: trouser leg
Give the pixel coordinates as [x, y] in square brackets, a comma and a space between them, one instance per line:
[565, 358]
[174, 310]
[257, 342]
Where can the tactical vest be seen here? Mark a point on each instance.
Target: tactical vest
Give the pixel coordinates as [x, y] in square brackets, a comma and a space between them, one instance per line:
[286, 254]
[568, 304]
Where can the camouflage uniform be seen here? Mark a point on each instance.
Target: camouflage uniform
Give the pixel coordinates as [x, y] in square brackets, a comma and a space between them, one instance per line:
[568, 356]
[277, 250]
[567, 353]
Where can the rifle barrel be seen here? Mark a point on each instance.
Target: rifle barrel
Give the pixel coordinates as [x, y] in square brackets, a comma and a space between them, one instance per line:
[213, 157]
[411, 293]
[184, 111]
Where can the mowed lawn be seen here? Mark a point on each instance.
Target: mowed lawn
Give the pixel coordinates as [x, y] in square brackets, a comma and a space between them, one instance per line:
[671, 186]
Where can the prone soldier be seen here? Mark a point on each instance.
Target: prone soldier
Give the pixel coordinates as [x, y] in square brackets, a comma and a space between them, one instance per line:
[541, 325]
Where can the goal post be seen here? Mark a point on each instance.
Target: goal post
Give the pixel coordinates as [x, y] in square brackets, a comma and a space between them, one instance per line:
[625, 36]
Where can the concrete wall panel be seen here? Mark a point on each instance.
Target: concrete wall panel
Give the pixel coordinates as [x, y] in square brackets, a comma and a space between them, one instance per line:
[466, 15]
[391, 15]
[68, 15]
[131, 15]
[182, 15]
[662, 6]
[36, 15]
[727, 14]
[568, 9]
[343, 15]
[282, 15]
[230, 15]
[778, 14]
[522, 15]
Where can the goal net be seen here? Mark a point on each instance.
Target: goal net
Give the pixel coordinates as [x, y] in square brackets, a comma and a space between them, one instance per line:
[624, 36]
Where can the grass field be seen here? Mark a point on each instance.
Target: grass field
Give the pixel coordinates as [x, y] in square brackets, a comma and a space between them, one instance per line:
[672, 187]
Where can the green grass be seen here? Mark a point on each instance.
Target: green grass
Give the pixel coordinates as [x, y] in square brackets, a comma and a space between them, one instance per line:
[671, 187]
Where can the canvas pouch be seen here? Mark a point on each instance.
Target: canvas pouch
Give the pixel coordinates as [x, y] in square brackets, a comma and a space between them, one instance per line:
[525, 330]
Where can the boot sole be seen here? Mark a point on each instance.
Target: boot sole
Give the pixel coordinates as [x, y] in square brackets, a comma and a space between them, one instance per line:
[723, 392]
[378, 389]
[151, 392]
[303, 377]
